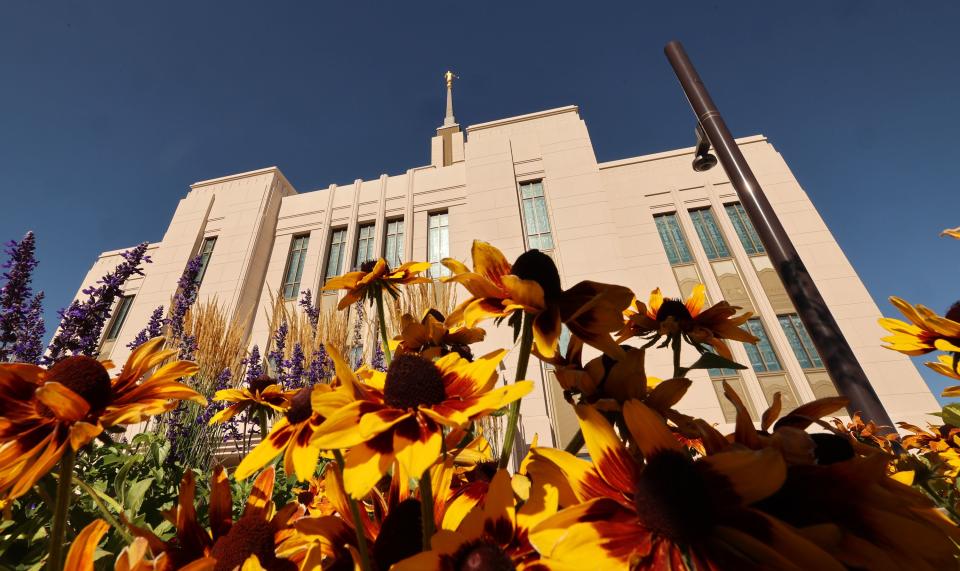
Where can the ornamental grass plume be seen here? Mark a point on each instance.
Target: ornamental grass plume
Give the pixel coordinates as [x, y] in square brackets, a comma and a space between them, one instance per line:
[82, 322]
[17, 320]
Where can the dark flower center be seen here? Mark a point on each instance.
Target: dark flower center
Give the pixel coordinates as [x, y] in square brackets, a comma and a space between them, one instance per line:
[539, 267]
[259, 384]
[400, 534]
[300, 407]
[413, 381]
[84, 376]
[368, 266]
[305, 497]
[953, 313]
[674, 308]
[672, 497]
[482, 555]
[831, 448]
[249, 536]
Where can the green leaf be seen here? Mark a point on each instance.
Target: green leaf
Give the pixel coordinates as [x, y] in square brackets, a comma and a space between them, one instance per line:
[951, 414]
[134, 496]
[714, 361]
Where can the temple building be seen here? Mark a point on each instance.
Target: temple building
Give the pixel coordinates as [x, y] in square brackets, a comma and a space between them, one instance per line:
[534, 181]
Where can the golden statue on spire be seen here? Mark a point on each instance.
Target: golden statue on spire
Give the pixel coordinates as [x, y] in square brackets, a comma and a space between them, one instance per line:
[449, 77]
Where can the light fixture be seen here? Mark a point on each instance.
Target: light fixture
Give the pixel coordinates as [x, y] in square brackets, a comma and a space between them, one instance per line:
[703, 160]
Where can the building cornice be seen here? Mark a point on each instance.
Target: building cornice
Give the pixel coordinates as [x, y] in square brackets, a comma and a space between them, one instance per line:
[257, 172]
[520, 118]
[674, 153]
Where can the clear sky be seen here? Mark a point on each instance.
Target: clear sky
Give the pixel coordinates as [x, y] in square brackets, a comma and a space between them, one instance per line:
[110, 109]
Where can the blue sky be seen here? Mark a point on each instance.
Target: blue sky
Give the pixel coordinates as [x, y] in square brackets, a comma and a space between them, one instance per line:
[110, 109]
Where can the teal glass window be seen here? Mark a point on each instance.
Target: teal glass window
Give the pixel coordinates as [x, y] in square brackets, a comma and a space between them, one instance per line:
[708, 231]
[295, 260]
[438, 243]
[338, 242]
[119, 316]
[745, 231]
[206, 252]
[393, 243]
[364, 244]
[800, 341]
[763, 358]
[534, 204]
[672, 237]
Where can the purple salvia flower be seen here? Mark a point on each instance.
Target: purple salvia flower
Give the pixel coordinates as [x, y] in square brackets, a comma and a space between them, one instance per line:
[188, 347]
[295, 367]
[320, 367]
[153, 329]
[253, 364]
[275, 357]
[186, 296]
[81, 324]
[356, 346]
[29, 345]
[379, 361]
[312, 311]
[16, 292]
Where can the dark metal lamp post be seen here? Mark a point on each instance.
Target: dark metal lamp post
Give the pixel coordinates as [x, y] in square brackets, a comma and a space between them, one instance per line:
[840, 362]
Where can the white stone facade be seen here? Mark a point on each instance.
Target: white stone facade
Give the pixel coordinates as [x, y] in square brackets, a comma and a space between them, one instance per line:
[602, 225]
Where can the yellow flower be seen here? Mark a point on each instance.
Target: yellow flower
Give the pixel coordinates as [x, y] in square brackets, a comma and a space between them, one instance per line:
[431, 338]
[293, 435]
[42, 411]
[666, 510]
[398, 415]
[926, 331]
[80, 556]
[498, 289]
[374, 276]
[945, 365]
[493, 535]
[952, 232]
[674, 318]
[263, 393]
[228, 544]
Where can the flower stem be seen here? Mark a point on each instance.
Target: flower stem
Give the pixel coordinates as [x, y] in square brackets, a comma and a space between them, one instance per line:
[426, 509]
[526, 343]
[95, 496]
[675, 345]
[576, 443]
[64, 492]
[263, 424]
[378, 295]
[355, 514]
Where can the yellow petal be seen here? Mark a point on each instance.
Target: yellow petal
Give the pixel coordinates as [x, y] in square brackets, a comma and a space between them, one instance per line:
[80, 556]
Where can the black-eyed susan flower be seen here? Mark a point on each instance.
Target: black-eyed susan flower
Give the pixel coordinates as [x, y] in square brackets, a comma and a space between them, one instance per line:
[398, 415]
[672, 318]
[665, 510]
[945, 365]
[375, 276]
[493, 535]
[251, 541]
[43, 411]
[431, 338]
[926, 331]
[260, 394]
[84, 546]
[532, 285]
[292, 435]
[940, 444]
[952, 232]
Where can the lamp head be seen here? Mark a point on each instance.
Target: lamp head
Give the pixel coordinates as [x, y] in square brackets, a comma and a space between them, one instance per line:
[703, 160]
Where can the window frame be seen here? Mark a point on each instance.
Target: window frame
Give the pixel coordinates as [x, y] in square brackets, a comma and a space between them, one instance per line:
[369, 242]
[757, 347]
[437, 269]
[703, 232]
[300, 250]
[811, 355]
[399, 238]
[750, 231]
[119, 317]
[528, 234]
[328, 273]
[666, 231]
[205, 256]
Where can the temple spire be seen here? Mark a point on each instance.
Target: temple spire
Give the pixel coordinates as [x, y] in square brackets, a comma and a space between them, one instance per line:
[448, 120]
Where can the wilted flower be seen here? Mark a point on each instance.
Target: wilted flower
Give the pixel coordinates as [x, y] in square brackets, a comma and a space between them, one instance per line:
[431, 338]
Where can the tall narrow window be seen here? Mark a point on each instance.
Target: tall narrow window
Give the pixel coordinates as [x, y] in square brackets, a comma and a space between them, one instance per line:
[119, 316]
[438, 243]
[295, 259]
[800, 341]
[709, 233]
[393, 243]
[744, 228]
[338, 241]
[535, 218]
[762, 356]
[364, 244]
[673, 240]
[206, 251]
